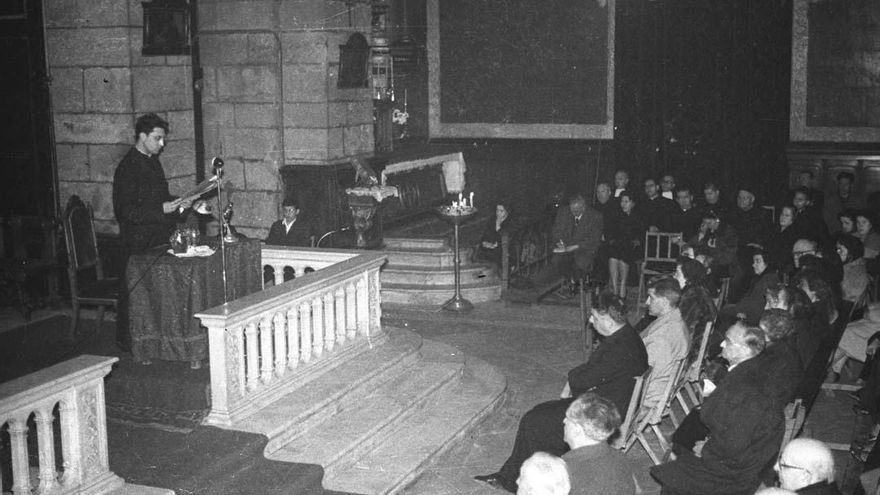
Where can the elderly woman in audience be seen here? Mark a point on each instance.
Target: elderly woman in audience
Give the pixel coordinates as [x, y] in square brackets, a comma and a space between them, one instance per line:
[866, 232]
[751, 305]
[543, 474]
[624, 235]
[855, 275]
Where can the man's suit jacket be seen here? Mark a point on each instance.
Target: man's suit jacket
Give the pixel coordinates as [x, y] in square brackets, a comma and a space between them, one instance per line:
[745, 430]
[599, 469]
[587, 233]
[611, 368]
[300, 234]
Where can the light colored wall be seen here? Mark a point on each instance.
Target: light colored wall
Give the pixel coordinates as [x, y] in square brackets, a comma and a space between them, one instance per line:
[100, 83]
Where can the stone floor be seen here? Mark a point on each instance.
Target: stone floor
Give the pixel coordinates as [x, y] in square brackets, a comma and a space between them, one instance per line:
[535, 347]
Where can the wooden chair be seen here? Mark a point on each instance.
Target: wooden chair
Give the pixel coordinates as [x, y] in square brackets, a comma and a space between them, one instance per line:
[627, 428]
[648, 421]
[661, 255]
[689, 385]
[721, 298]
[861, 303]
[795, 414]
[88, 286]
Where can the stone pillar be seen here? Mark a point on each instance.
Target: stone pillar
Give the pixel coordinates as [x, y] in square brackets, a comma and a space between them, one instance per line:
[271, 99]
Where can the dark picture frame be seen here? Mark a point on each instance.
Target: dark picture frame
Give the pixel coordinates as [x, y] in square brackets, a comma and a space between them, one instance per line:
[13, 9]
[166, 28]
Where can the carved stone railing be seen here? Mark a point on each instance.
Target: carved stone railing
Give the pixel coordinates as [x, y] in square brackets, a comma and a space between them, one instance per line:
[76, 387]
[300, 259]
[264, 345]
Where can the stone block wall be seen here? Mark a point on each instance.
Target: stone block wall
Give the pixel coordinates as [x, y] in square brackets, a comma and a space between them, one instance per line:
[100, 83]
[270, 96]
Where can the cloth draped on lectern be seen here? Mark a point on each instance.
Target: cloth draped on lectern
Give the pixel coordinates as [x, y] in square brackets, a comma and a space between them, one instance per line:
[166, 291]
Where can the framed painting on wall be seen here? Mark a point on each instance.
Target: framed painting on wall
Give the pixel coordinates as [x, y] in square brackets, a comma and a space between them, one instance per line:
[835, 81]
[13, 9]
[526, 69]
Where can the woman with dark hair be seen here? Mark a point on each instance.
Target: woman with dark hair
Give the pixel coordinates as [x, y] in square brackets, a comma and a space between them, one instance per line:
[783, 238]
[809, 331]
[624, 236]
[847, 218]
[867, 233]
[750, 307]
[855, 275]
[490, 243]
[819, 292]
[697, 305]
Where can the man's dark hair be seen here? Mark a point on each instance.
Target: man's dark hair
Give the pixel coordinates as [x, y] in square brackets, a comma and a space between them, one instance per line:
[606, 302]
[147, 122]
[805, 191]
[777, 323]
[685, 188]
[850, 213]
[596, 415]
[846, 175]
[629, 194]
[667, 288]
[710, 185]
[577, 198]
[808, 172]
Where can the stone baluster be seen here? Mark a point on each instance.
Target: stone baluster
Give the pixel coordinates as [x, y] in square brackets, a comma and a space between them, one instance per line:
[72, 467]
[375, 302]
[252, 372]
[266, 358]
[305, 331]
[318, 326]
[350, 311]
[280, 343]
[279, 273]
[293, 332]
[329, 320]
[21, 482]
[46, 444]
[340, 310]
[363, 307]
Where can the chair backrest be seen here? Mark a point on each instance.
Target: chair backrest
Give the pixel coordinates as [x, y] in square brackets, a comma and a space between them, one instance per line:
[795, 414]
[628, 427]
[662, 246]
[721, 298]
[770, 212]
[693, 372]
[655, 415]
[79, 234]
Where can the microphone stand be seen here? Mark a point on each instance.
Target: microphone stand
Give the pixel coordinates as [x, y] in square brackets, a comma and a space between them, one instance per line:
[218, 171]
[343, 229]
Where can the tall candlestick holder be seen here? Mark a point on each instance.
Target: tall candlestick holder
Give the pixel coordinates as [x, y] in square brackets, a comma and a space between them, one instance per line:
[457, 215]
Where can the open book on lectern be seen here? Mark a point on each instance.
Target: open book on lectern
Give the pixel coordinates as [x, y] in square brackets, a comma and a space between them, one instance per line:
[199, 189]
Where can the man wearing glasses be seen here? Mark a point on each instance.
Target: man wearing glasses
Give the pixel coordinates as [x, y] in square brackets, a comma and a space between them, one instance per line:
[806, 466]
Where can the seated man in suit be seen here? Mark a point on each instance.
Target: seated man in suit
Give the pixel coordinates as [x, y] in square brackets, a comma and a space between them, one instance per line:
[609, 373]
[593, 465]
[743, 427]
[292, 229]
[577, 232]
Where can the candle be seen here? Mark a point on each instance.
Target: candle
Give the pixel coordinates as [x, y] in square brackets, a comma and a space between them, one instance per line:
[459, 198]
[472, 199]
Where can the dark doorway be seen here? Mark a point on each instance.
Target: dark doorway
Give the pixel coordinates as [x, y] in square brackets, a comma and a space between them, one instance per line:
[26, 149]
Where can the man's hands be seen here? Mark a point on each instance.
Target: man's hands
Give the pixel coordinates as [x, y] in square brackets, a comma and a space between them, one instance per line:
[177, 204]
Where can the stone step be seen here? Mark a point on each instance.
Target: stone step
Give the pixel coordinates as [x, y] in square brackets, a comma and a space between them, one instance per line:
[447, 418]
[341, 439]
[132, 489]
[437, 276]
[290, 416]
[402, 243]
[429, 257]
[421, 295]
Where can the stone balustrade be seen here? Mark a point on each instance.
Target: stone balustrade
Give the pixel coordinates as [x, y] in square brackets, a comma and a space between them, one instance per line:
[300, 259]
[74, 388]
[263, 345]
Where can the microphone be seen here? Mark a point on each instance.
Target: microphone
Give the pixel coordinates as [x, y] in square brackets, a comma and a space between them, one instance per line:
[217, 162]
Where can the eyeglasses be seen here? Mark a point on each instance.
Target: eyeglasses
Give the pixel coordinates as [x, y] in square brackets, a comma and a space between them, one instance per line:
[789, 466]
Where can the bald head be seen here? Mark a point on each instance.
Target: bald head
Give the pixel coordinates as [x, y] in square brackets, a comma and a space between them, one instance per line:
[774, 491]
[803, 247]
[803, 462]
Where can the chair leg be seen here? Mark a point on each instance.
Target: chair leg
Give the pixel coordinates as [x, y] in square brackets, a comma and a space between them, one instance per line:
[74, 321]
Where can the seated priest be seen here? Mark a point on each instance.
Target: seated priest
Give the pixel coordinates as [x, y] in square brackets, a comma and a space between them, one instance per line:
[609, 373]
[292, 229]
